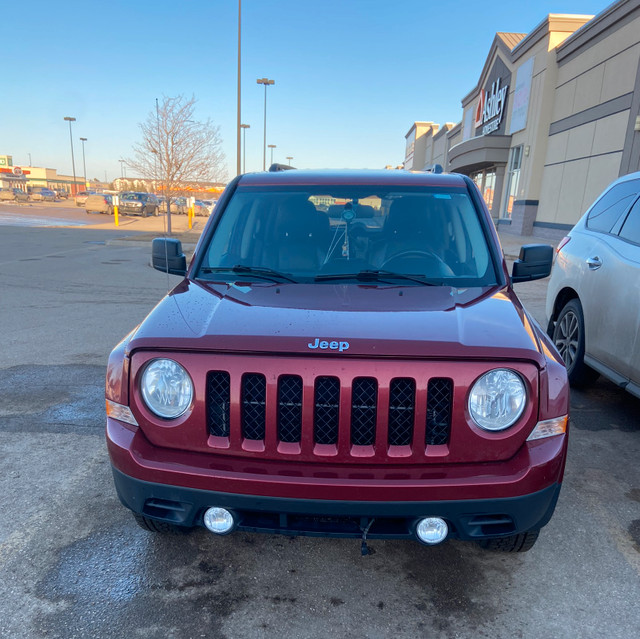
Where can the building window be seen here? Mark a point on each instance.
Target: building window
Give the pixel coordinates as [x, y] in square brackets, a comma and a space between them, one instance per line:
[486, 182]
[513, 181]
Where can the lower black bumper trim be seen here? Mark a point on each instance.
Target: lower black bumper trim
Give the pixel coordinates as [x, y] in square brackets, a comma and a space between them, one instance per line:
[469, 519]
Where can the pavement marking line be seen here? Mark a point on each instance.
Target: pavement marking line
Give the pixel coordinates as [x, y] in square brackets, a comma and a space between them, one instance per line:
[18, 540]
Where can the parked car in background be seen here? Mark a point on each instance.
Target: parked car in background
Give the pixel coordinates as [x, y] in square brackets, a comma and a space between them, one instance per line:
[42, 194]
[162, 203]
[99, 203]
[179, 205]
[13, 193]
[593, 297]
[210, 204]
[305, 379]
[81, 197]
[201, 209]
[134, 203]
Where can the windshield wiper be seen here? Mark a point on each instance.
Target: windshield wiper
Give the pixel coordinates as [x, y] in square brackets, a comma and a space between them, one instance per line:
[373, 275]
[258, 271]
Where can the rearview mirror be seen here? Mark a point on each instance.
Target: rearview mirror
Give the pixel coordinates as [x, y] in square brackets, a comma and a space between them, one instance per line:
[534, 263]
[167, 256]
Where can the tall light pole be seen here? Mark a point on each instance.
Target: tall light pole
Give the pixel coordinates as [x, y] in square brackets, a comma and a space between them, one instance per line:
[244, 128]
[84, 164]
[289, 157]
[266, 83]
[74, 190]
[272, 146]
[123, 171]
[239, 114]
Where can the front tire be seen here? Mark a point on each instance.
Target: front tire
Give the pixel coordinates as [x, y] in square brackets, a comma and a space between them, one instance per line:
[512, 543]
[568, 337]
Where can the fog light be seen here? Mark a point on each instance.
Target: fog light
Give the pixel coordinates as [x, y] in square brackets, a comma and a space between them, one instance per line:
[218, 520]
[432, 530]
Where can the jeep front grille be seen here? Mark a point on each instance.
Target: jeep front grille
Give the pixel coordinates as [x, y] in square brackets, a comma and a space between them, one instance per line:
[372, 413]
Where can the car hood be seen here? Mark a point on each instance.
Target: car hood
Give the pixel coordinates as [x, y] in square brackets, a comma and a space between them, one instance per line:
[342, 320]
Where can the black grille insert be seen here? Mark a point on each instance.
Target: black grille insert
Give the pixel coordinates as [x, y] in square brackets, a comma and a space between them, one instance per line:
[218, 401]
[254, 396]
[439, 402]
[402, 399]
[364, 401]
[289, 408]
[326, 410]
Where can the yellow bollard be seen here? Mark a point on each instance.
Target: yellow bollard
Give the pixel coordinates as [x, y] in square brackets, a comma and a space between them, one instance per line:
[115, 214]
[190, 217]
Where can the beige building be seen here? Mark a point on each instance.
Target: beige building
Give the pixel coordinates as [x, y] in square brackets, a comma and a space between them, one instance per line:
[25, 177]
[553, 119]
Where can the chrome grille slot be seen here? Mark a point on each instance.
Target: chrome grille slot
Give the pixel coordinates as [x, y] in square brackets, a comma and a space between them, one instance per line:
[289, 408]
[402, 397]
[364, 400]
[254, 403]
[326, 410]
[439, 403]
[218, 402]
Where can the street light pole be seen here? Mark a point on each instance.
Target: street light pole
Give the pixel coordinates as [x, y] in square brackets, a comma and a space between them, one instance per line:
[272, 146]
[84, 164]
[289, 157]
[266, 83]
[122, 169]
[74, 189]
[244, 128]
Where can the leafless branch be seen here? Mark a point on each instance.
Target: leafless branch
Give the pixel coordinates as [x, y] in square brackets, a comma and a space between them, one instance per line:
[176, 148]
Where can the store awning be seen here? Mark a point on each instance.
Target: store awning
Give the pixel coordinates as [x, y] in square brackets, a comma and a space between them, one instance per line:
[479, 153]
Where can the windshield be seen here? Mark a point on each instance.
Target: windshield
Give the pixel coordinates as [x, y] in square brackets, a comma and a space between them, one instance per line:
[357, 234]
[133, 197]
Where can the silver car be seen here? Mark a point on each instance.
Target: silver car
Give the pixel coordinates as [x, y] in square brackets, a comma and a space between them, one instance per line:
[593, 297]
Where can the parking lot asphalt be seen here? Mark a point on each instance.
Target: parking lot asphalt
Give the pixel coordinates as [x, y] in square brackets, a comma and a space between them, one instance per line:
[74, 564]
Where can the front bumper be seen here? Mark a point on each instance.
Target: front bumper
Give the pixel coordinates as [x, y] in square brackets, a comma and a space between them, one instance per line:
[477, 500]
[471, 519]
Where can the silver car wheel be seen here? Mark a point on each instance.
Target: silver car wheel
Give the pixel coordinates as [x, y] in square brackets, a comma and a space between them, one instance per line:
[567, 338]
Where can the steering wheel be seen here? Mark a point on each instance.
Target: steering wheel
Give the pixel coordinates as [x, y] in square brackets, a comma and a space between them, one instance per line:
[443, 268]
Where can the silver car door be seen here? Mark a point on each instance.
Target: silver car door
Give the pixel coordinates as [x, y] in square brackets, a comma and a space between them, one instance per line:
[611, 299]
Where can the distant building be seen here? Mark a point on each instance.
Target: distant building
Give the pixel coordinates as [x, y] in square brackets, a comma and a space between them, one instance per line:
[553, 119]
[155, 186]
[25, 177]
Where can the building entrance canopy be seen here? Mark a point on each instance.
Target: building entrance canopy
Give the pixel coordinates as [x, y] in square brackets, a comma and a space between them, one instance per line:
[479, 153]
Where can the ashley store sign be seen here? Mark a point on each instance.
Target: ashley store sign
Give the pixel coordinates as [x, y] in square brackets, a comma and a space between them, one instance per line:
[490, 107]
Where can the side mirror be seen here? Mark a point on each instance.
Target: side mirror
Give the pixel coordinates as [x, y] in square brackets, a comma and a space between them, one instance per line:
[534, 263]
[167, 256]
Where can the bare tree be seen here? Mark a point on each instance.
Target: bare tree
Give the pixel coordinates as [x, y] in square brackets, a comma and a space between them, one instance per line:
[177, 149]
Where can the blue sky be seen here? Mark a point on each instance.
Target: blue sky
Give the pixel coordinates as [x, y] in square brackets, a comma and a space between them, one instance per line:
[351, 76]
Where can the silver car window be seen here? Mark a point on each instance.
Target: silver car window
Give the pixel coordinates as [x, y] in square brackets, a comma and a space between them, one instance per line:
[631, 227]
[610, 207]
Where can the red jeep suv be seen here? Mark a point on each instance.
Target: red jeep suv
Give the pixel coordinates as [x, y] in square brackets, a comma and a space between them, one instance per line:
[344, 357]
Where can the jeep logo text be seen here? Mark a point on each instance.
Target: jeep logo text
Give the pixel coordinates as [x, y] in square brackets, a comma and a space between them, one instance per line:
[334, 346]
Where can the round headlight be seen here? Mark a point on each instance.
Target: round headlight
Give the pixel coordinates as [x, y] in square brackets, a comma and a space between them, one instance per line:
[166, 388]
[497, 399]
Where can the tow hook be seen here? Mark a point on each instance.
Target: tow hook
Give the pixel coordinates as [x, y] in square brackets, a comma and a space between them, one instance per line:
[364, 549]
